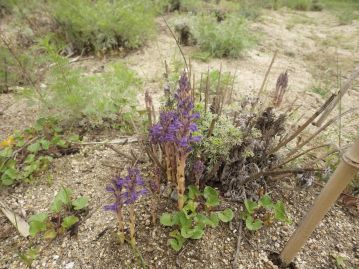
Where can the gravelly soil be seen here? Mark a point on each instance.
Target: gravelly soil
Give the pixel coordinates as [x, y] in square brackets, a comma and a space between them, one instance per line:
[95, 245]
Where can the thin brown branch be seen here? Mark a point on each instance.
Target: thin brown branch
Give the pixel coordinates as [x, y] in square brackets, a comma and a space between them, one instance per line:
[302, 127]
[178, 45]
[343, 90]
[321, 129]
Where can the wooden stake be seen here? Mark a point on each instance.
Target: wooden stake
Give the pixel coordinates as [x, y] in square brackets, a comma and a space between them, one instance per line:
[347, 169]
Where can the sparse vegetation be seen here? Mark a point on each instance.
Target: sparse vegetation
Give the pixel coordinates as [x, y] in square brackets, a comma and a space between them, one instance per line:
[222, 152]
[103, 25]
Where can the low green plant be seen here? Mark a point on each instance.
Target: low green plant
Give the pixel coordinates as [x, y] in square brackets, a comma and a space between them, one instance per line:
[191, 221]
[217, 146]
[11, 73]
[263, 212]
[102, 25]
[72, 97]
[64, 214]
[29, 256]
[25, 154]
[218, 38]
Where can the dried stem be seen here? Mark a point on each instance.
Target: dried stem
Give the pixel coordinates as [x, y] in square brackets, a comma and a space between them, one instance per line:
[265, 78]
[302, 127]
[132, 224]
[321, 129]
[338, 96]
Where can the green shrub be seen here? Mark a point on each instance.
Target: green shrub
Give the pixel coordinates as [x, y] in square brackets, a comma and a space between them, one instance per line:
[70, 96]
[101, 25]
[228, 38]
[11, 73]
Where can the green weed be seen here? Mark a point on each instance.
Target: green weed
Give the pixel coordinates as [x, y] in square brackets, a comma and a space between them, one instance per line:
[71, 97]
[64, 215]
[190, 222]
[218, 39]
[103, 25]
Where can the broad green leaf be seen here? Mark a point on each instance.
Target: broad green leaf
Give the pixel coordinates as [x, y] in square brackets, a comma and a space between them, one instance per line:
[166, 219]
[279, 212]
[193, 192]
[45, 144]
[226, 215]
[183, 220]
[37, 223]
[175, 244]
[266, 202]
[211, 195]
[203, 220]
[63, 197]
[190, 208]
[253, 225]
[34, 147]
[29, 256]
[250, 206]
[6, 153]
[193, 233]
[215, 220]
[30, 158]
[56, 140]
[50, 234]
[69, 221]
[197, 232]
[80, 203]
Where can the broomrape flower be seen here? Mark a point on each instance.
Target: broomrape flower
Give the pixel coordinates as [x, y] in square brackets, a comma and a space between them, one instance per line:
[126, 191]
[175, 133]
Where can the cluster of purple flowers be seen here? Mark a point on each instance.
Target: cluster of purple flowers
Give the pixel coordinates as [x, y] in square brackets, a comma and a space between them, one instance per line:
[126, 190]
[177, 126]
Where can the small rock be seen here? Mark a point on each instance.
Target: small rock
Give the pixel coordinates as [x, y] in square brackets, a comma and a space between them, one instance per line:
[70, 265]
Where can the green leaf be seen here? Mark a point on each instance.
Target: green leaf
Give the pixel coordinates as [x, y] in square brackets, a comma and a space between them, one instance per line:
[69, 221]
[166, 219]
[56, 140]
[80, 203]
[190, 208]
[204, 220]
[29, 256]
[50, 234]
[253, 225]
[175, 244]
[63, 197]
[211, 195]
[279, 212]
[6, 153]
[226, 215]
[184, 221]
[250, 206]
[34, 147]
[215, 220]
[193, 192]
[45, 144]
[193, 233]
[30, 158]
[266, 202]
[38, 223]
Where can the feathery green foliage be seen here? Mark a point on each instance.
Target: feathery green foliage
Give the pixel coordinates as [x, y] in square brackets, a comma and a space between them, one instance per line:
[224, 136]
[102, 25]
[70, 96]
[219, 38]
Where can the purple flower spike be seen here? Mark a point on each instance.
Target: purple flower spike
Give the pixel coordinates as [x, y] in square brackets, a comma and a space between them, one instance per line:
[126, 190]
[176, 127]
